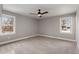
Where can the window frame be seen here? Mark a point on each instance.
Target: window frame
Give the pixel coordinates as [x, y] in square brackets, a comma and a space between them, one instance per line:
[14, 26]
[65, 32]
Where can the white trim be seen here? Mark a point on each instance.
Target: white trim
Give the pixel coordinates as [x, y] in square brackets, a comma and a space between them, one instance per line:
[76, 33]
[60, 38]
[14, 27]
[1, 43]
[66, 32]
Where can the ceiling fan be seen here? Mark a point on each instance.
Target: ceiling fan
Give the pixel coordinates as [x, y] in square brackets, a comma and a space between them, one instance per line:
[39, 13]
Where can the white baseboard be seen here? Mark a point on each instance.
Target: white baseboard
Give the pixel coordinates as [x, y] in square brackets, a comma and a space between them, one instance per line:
[35, 36]
[65, 39]
[5, 42]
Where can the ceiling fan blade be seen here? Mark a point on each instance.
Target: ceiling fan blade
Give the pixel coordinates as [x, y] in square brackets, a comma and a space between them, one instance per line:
[45, 12]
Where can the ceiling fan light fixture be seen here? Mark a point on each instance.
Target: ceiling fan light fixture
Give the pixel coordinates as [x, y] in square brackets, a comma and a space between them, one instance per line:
[39, 15]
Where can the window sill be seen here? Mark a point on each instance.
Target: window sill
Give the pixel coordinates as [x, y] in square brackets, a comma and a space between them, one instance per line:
[63, 32]
[2, 34]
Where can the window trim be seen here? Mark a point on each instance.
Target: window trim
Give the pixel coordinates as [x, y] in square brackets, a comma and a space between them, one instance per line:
[71, 25]
[14, 26]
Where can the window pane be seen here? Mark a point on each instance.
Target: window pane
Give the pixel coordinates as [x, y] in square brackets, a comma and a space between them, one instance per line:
[66, 24]
[7, 24]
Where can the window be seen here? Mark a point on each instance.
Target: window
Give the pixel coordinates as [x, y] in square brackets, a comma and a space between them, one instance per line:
[66, 24]
[7, 24]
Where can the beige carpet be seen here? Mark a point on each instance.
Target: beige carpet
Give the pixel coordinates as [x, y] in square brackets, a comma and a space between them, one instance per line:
[39, 45]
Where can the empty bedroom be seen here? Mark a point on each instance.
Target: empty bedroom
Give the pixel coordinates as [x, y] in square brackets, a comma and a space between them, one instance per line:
[39, 28]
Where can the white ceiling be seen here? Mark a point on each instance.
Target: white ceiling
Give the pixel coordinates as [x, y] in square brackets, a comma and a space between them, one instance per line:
[53, 9]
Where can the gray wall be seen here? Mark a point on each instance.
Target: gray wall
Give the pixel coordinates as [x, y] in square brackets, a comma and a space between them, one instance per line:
[0, 9]
[77, 27]
[25, 26]
[51, 26]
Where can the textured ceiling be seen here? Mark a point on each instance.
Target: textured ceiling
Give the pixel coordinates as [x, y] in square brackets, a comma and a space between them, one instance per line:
[53, 9]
